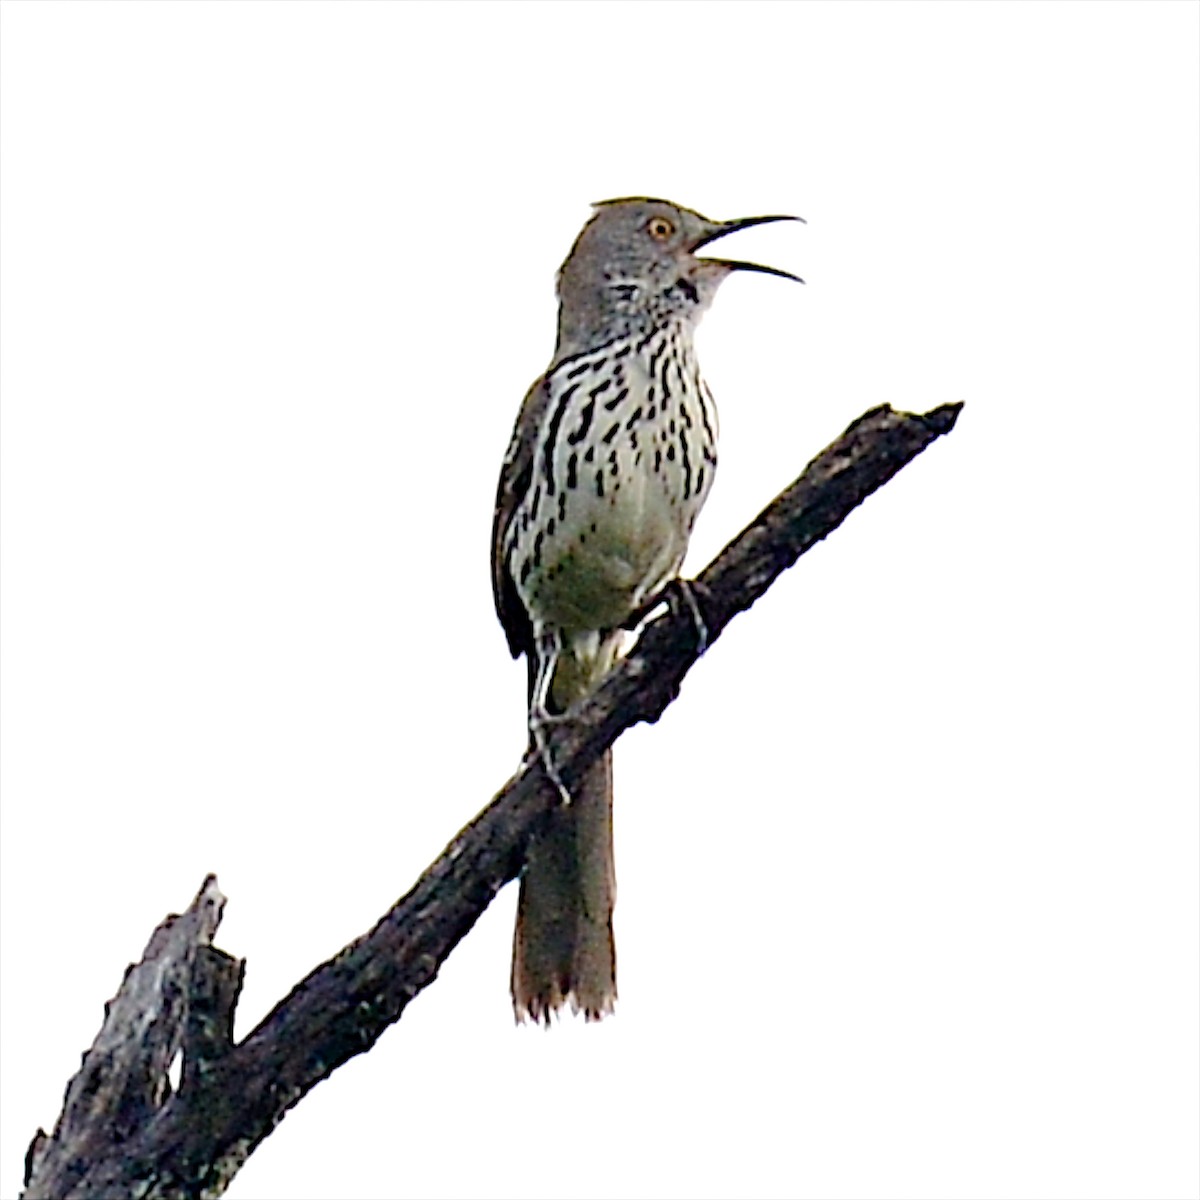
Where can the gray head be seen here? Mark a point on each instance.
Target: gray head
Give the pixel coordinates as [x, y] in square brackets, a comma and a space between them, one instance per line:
[634, 265]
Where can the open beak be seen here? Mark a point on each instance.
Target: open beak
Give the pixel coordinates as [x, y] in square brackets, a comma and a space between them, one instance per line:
[721, 229]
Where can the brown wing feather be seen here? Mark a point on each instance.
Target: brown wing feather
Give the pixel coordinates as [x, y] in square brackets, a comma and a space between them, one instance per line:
[515, 477]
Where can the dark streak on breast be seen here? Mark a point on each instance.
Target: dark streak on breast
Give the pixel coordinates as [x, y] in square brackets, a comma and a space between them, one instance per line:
[585, 422]
[552, 439]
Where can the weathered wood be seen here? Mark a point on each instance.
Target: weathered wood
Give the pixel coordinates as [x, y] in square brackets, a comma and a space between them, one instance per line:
[124, 1133]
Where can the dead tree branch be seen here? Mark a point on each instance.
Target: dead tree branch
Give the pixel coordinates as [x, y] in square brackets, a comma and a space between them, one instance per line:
[123, 1132]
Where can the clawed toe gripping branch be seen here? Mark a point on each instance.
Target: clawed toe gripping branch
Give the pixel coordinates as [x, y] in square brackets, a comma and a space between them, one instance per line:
[540, 725]
[124, 1132]
[682, 593]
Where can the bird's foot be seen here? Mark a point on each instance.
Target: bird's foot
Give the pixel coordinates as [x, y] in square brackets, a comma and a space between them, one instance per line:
[683, 592]
[674, 594]
[540, 721]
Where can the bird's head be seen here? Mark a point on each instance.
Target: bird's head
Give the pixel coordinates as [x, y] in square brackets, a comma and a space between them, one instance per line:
[635, 265]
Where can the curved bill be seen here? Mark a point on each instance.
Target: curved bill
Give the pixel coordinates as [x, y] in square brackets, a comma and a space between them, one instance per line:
[724, 228]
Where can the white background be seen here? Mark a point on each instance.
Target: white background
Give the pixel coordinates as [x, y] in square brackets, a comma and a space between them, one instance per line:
[909, 874]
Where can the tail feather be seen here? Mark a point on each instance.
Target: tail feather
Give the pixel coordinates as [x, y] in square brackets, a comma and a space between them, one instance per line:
[563, 948]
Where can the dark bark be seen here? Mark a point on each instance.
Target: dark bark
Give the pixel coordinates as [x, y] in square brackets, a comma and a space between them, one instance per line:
[123, 1132]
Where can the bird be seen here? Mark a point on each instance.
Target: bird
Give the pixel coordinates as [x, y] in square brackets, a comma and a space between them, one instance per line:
[611, 459]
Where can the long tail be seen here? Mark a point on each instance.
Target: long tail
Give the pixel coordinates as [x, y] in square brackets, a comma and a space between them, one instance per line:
[563, 949]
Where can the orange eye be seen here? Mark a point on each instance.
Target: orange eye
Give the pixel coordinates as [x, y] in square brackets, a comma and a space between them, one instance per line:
[659, 228]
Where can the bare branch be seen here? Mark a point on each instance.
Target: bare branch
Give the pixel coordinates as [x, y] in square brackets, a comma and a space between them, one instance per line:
[122, 1084]
[123, 1133]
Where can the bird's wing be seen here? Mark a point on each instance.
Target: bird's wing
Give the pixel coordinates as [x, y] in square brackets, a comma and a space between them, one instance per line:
[515, 477]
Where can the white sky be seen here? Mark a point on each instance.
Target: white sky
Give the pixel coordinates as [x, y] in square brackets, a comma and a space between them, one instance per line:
[909, 874]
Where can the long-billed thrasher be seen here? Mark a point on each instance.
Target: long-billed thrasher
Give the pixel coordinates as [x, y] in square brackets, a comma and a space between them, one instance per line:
[611, 459]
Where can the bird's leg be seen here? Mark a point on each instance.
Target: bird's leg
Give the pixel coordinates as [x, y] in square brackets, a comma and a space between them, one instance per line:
[538, 723]
[678, 591]
[549, 645]
[681, 590]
